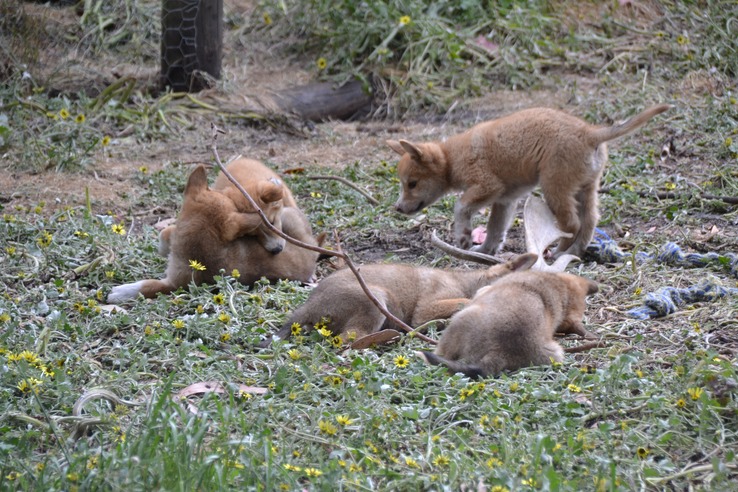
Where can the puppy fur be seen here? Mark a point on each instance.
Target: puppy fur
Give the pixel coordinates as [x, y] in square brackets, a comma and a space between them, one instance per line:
[511, 323]
[211, 230]
[413, 294]
[497, 162]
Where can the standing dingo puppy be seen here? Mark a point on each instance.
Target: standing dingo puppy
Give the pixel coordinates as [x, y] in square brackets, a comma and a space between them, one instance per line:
[511, 323]
[497, 162]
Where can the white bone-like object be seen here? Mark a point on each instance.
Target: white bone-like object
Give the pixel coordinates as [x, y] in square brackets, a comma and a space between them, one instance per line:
[541, 232]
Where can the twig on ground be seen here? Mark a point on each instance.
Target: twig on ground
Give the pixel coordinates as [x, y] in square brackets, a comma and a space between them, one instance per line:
[397, 321]
[585, 346]
[348, 183]
[664, 195]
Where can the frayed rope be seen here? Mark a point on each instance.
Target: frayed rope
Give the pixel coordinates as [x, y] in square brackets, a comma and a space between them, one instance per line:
[666, 300]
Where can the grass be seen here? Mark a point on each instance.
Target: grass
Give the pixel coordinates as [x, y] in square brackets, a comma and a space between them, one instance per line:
[656, 408]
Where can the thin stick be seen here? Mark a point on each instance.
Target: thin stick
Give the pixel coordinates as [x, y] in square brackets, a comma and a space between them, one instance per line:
[584, 347]
[348, 183]
[317, 249]
[663, 195]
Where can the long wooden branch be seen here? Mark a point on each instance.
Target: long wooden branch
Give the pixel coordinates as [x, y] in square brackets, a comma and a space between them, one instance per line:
[670, 195]
[318, 249]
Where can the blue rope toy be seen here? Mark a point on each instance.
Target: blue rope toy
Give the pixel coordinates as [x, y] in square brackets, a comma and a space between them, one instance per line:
[666, 300]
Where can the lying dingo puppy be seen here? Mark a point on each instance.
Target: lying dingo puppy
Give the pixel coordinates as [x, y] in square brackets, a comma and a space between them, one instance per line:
[414, 294]
[267, 190]
[511, 323]
[210, 230]
[497, 162]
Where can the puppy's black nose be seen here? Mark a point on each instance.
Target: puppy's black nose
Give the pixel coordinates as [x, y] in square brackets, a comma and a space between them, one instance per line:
[276, 249]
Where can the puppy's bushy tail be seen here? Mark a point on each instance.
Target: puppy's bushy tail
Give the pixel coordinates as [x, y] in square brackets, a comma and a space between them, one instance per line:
[608, 133]
[472, 371]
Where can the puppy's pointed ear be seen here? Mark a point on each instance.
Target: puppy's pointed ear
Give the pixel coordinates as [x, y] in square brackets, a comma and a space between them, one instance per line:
[270, 190]
[197, 182]
[395, 145]
[592, 287]
[240, 224]
[412, 149]
[523, 262]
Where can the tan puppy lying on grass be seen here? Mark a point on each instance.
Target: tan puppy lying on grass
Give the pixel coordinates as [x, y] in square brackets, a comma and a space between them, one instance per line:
[497, 162]
[213, 232]
[511, 324]
[415, 295]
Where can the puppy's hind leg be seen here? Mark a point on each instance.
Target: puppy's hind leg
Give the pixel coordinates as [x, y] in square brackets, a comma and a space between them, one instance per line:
[588, 216]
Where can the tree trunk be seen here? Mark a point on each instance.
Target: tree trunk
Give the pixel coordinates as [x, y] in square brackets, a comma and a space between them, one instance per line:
[191, 44]
[324, 100]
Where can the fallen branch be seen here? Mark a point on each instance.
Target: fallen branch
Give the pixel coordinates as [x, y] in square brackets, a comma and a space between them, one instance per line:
[585, 346]
[348, 183]
[670, 195]
[464, 254]
[350, 264]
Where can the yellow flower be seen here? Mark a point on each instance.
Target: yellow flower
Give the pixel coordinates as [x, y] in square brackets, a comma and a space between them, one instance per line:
[44, 240]
[493, 462]
[441, 460]
[499, 488]
[218, 299]
[514, 387]
[224, 337]
[336, 341]
[465, 393]
[325, 331]
[695, 393]
[401, 361]
[682, 39]
[322, 63]
[670, 186]
[294, 354]
[148, 330]
[404, 20]
[4, 318]
[224, 318]
[574, 388]
[30, 384]
[642, 452]
[80, 118]
[267, 18]
[178, 324]
[411, 462]
[313, 472]
[64, 114]
[196, 265]
[296, 329]
[681, 403]
[343, 419]
[327, 428]
[119, 229]
[289, 467]
[105, 141]
[236, 274]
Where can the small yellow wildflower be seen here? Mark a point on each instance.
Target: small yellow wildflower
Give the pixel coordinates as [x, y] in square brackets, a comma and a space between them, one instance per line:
[681, 403]
[29, 384]
[178, 324]
[682, 40]
[236, 274]
[64, 114]
[343, 419]
[4, 318]
[267, 18]
[294, 354]
[574, 388]
[315, 194]
[224, 318]
[119, 229]
[405, 20]
[218, 299]
[670, 186]
[441, 460]
[642, 452]
[695, 393]
[44, 240]
[514, 387]
[148, 330]
[327, 428]
[325, 331]
[92, 462]
[80, 118]
[401, 361]
[296, 329]
[493, 462]
[411, 462]
[289, 467]
[499, 488]
[465, 393]
[313, 472]
[225, 336]
[196, 265]
[336, 341]
[322, 63]
[105, 141]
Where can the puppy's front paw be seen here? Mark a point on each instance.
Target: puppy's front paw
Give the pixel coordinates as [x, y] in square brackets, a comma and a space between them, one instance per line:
[124, 292]
[482, 249]
[464, 242]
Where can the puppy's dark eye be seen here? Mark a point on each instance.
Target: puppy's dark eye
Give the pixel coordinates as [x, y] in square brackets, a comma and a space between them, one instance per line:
[412, 184]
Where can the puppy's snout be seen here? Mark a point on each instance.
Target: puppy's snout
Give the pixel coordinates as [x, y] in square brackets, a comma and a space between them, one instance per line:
[276, 249]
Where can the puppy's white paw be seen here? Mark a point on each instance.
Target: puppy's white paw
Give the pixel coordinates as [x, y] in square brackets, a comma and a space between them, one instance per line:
[125, 292]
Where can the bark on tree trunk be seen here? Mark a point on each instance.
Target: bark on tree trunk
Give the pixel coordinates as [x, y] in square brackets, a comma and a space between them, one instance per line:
[191, 43]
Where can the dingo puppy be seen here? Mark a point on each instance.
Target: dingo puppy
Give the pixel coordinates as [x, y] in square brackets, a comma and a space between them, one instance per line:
[267, 190]
[413, 294]
[497, 162]
[210, 229]
[511, 323]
